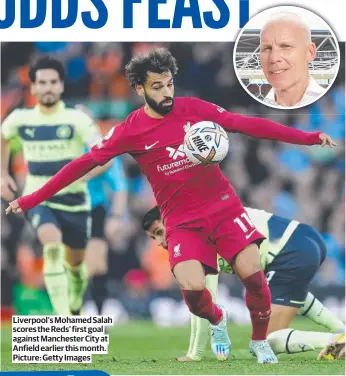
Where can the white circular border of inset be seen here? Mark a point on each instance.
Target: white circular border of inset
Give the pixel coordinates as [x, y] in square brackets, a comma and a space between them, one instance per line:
[286, 8]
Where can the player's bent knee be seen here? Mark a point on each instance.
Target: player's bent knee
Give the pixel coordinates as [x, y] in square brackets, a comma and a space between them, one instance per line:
[49, 233]
[190, 275]
[247, 261]
[193, 284]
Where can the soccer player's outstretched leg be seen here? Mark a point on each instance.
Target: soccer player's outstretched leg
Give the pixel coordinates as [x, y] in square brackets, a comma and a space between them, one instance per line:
[258, 300]
[191, 277]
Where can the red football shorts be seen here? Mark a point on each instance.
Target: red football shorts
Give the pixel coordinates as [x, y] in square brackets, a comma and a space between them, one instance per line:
[225, 232]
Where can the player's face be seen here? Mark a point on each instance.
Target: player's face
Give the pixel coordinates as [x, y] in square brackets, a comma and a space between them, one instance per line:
[158, 92]
[48, 87]
[157, 232]
[285, 54]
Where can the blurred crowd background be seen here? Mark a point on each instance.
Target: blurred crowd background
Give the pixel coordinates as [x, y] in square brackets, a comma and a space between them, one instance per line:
[304, 183]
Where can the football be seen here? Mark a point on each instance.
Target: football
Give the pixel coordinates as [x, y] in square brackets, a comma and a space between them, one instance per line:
[206, 143]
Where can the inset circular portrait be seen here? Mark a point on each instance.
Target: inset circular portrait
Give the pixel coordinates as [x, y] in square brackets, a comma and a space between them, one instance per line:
[286, 57]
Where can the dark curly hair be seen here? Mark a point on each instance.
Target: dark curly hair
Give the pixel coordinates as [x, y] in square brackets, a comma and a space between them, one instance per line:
[159, 60]
[46, 63]
[150, 217]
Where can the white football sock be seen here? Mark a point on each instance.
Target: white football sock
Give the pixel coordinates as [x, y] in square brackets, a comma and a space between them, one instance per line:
[199, 341]
[292, 341]
[314, 310]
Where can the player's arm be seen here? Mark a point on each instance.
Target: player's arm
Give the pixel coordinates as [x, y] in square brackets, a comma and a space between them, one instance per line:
[98, 170]
[113, 144]
[259, 127]
[90, 134]
[8, 131]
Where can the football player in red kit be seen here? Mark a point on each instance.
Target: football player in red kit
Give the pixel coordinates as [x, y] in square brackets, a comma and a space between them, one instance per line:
[200, 209]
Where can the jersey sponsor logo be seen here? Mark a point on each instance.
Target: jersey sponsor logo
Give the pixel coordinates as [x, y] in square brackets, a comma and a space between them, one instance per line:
[148, 147]
[171, 168]
[46, 151]
[179, 164]
[176, 250]
[30, 132]
[176, 153]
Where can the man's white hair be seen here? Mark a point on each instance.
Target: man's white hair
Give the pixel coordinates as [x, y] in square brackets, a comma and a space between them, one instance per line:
[289, 17]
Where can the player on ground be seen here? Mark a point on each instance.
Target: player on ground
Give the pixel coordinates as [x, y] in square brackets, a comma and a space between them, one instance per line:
[52, 135]
[198, 205]
[290, 257]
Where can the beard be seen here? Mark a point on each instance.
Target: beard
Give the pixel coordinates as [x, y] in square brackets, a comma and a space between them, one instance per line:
[49, 102]
[159, 107]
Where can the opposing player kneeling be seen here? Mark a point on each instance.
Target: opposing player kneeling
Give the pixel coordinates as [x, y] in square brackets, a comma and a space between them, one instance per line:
[290, 256]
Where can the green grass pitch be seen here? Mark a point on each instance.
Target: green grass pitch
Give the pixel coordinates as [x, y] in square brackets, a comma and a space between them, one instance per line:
[140, 348]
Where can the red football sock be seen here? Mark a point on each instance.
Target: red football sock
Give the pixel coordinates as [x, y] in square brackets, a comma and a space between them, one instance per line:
[258, 301]
[200, 303]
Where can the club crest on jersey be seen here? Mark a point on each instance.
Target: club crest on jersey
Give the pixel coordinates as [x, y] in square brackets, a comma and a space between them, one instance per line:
[187, 127]
[176, 250]
[64, 131]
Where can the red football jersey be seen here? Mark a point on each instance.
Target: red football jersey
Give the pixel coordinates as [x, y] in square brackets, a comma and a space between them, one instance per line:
[184, 191]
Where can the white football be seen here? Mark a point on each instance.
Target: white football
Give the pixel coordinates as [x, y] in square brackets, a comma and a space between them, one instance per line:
[206, 143]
